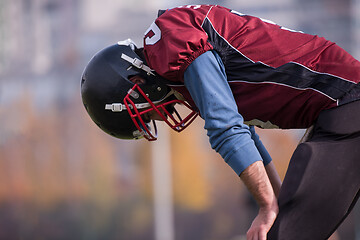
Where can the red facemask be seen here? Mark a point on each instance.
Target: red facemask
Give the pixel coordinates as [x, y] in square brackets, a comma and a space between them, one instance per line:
[170, 117]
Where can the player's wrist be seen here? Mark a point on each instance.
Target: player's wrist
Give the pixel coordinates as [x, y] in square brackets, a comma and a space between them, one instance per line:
[269, 207]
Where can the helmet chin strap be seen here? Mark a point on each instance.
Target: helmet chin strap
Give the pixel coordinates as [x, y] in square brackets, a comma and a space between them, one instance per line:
[137, 63]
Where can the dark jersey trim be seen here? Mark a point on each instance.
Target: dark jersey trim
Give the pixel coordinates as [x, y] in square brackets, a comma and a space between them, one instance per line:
[241, 68]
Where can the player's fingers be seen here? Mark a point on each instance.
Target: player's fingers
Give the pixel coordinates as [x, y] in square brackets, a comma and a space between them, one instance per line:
[251, 235]
[259, 235]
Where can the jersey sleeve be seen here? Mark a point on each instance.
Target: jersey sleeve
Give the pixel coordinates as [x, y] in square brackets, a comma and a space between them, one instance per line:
[260, 146]
[175, 39]
[228, 135]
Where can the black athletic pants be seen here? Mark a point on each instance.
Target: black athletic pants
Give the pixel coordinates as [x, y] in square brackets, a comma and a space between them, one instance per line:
[322, 182]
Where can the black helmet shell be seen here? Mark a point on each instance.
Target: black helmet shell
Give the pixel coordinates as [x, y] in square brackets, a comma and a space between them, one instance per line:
[105, 80]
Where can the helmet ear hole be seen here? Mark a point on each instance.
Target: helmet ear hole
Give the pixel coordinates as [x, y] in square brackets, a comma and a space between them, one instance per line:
[136, 79]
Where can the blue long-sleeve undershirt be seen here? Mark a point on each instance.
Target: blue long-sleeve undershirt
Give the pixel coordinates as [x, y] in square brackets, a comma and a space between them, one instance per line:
[237, 143]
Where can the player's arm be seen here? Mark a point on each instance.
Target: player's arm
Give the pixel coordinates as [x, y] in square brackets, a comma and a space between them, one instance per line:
[269, 165]
[228, 135]
[257, 182]
[206, 81]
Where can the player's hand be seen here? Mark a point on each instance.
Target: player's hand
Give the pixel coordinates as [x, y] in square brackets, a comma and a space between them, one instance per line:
[262, 224]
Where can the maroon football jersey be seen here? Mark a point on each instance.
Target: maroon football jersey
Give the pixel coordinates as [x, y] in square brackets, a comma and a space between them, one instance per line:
[278, 76]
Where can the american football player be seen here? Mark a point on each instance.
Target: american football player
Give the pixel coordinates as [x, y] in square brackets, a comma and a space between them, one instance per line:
[238, 71]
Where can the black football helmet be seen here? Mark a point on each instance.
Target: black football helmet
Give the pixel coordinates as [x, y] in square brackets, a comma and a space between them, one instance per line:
[117, 105]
